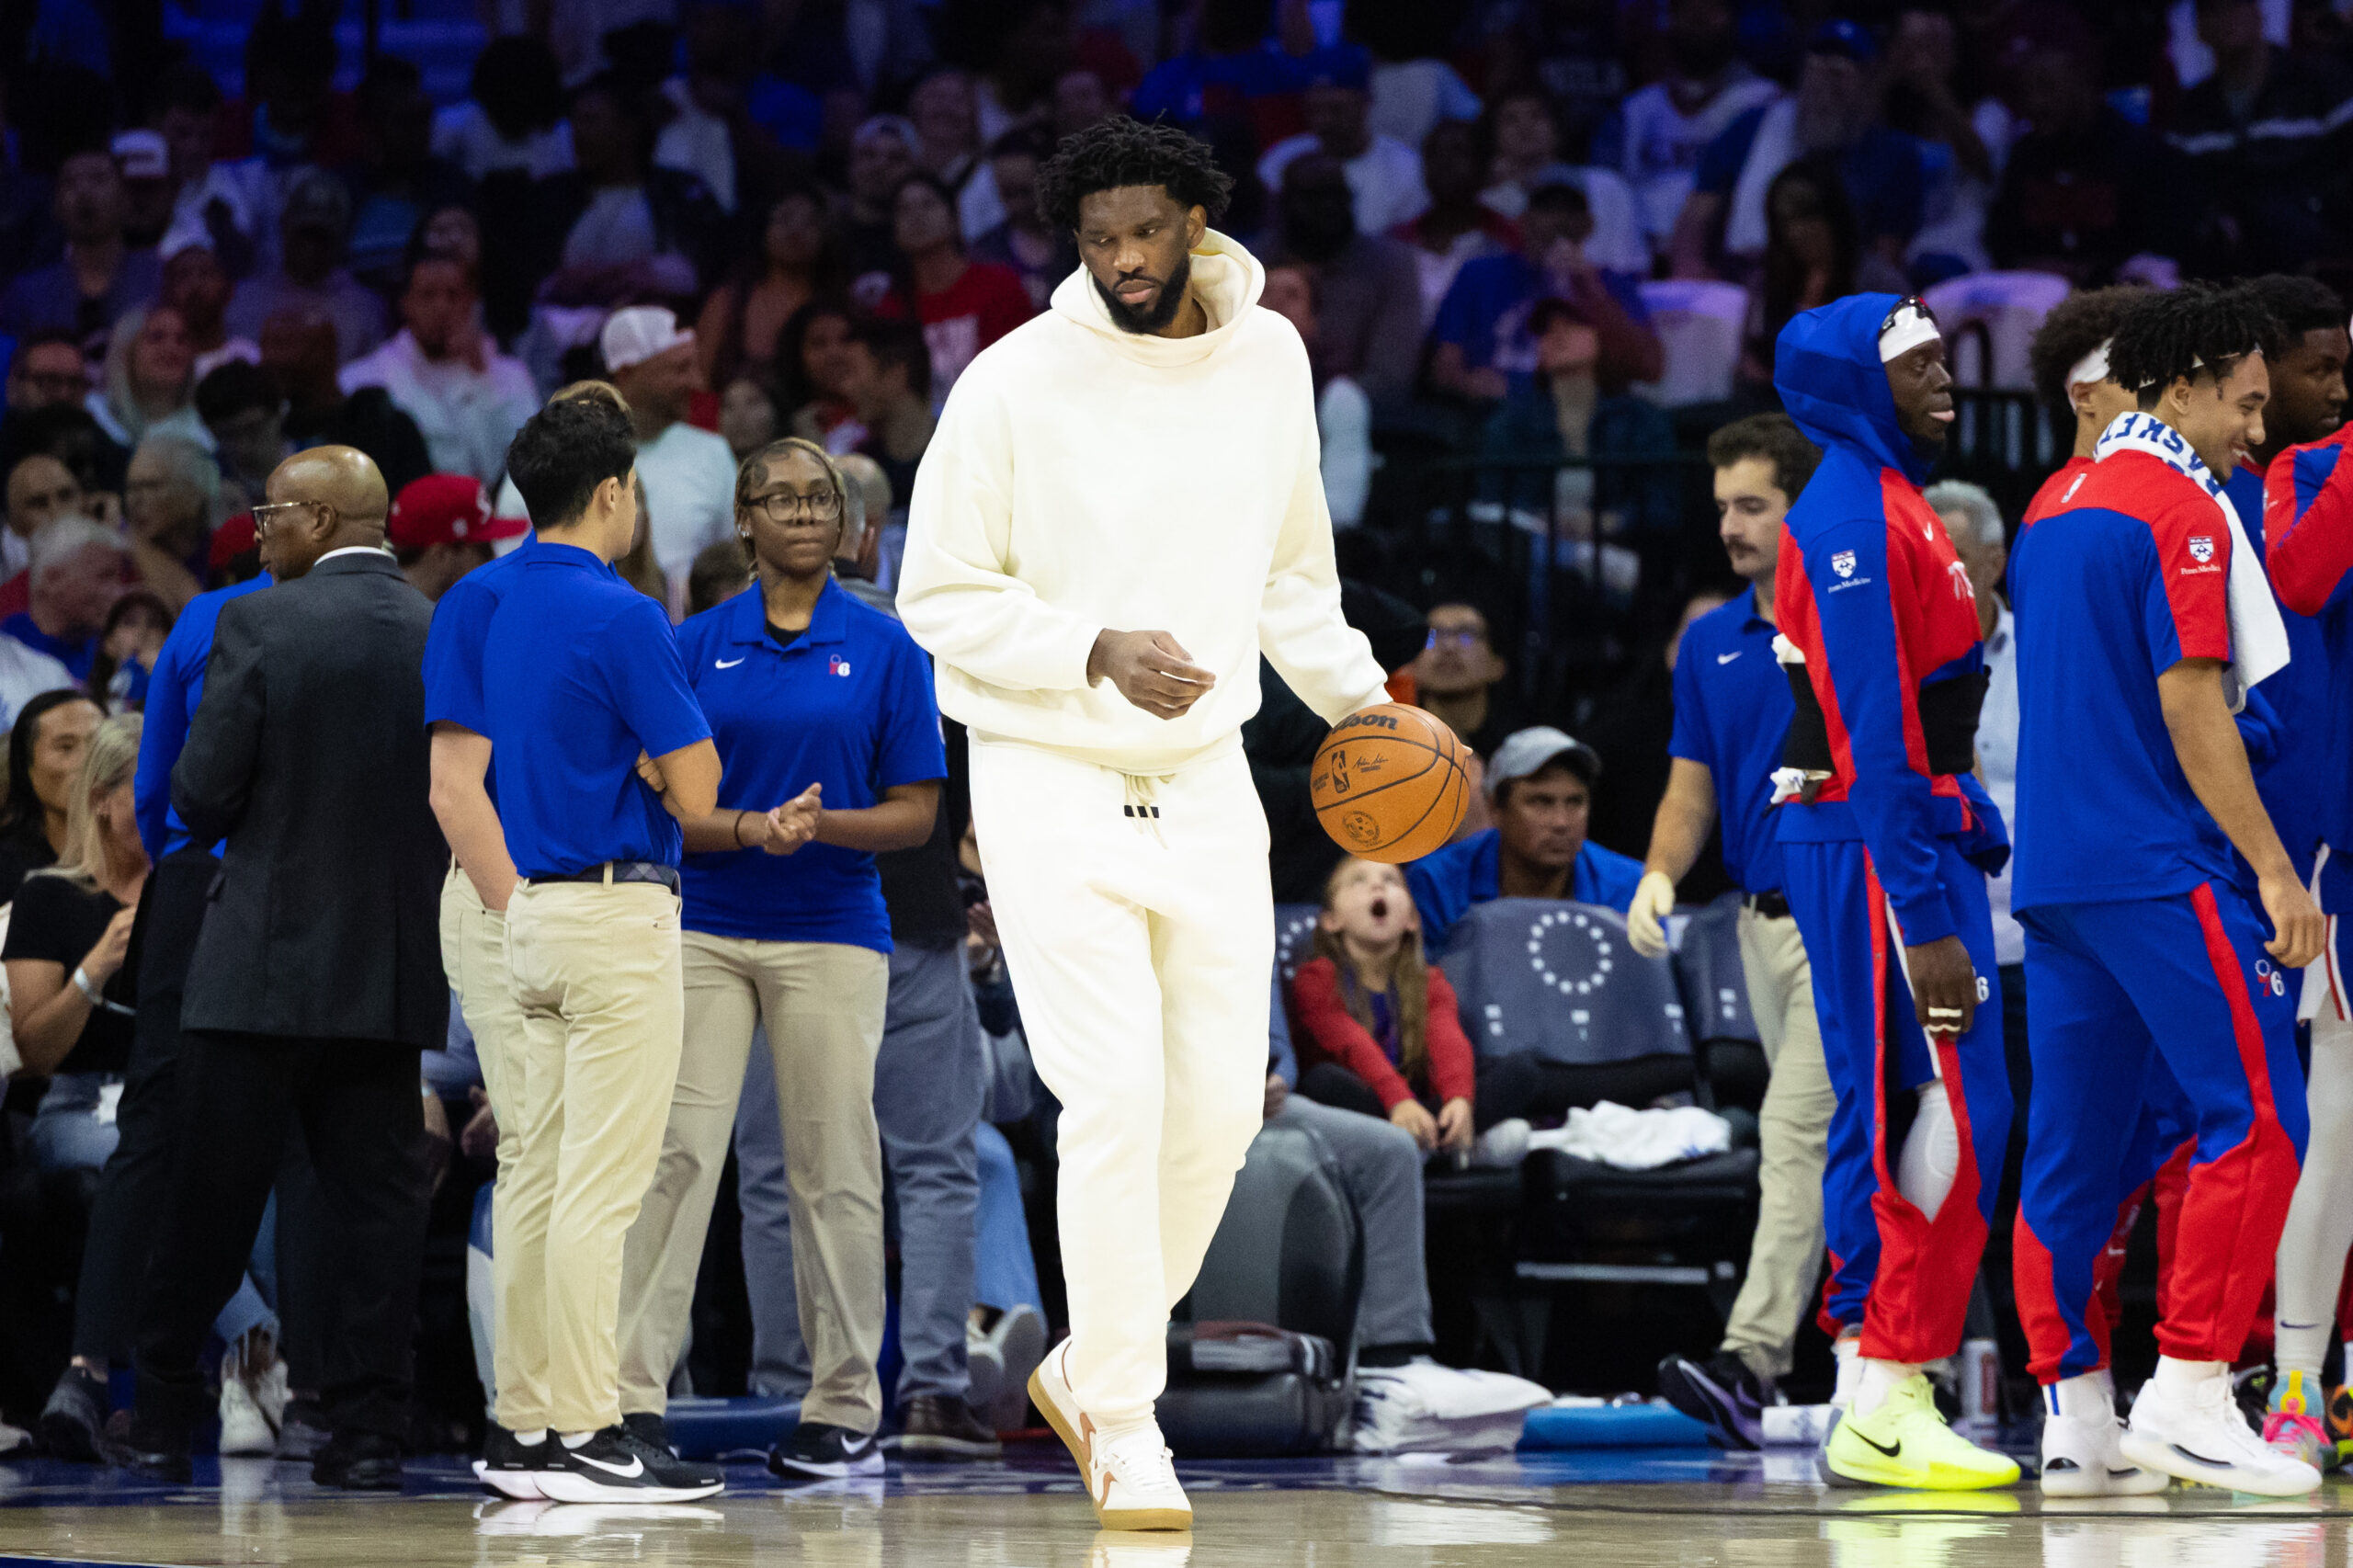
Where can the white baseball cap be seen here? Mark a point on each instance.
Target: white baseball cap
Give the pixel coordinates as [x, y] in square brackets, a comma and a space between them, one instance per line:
[634, 335]
[142, 155]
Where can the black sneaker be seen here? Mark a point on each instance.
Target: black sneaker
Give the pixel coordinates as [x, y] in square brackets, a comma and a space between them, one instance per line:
[75, 1415]
[941, 1429]
[615, 1467]
[818, 1452]
[508, 1468]
[132, 1442]
[1721, 1393]
[359, 1461]
[652, 1430]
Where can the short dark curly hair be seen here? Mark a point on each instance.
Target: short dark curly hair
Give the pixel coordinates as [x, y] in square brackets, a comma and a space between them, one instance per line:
[2297, 305]
[1121, 150]
[2199, 329]
[2076, 326]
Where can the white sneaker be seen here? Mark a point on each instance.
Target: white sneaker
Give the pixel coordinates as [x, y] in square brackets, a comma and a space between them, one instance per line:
[2203, 1437]
[1131, 1481]
[1504, 1144]
[252, 1404]
[2081, 1459]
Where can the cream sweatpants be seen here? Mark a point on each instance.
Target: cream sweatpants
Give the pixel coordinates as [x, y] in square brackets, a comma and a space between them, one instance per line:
[1138, 924]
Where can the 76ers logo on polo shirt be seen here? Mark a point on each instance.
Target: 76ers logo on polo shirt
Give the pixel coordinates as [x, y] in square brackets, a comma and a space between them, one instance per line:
[1843, 562]
[2202, 548]
[836, 665]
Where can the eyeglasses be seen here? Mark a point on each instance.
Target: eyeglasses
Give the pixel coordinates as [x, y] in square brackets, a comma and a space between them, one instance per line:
[269, 513]
[784, 507]
[1456, 637]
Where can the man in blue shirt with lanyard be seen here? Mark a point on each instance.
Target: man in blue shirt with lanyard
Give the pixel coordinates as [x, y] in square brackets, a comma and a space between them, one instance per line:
[1732, 714]
[601, 749]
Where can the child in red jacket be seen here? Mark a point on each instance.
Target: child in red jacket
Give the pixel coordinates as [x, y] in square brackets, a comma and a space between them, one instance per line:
[1375, 1025]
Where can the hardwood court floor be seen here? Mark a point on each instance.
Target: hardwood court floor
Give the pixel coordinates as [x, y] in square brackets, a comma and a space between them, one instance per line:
[1642, 1509]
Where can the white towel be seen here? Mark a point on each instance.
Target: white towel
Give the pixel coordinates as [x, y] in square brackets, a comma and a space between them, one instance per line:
[1638, 1140]
[2259, 637]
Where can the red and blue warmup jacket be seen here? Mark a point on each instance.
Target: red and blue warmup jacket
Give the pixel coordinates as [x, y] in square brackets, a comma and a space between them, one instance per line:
[1870, 590]
[2308, 526]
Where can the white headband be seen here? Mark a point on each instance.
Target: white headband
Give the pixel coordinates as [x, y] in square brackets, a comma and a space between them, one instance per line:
[1908, 328]
[2092, 367]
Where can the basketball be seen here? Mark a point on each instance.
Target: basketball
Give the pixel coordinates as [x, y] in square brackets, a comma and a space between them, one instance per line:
[1391, 783]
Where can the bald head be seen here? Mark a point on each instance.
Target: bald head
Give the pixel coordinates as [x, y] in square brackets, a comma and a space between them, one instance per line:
[333, 498]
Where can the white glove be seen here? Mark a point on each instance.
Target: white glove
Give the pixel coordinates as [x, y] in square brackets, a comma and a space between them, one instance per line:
[1653, 902]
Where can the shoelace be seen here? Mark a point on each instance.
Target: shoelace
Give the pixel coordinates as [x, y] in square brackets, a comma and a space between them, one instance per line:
[1142, 1467]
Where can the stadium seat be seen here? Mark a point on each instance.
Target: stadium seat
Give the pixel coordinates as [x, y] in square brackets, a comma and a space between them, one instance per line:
[1733, 1069]
[1700, 326]
[2008, 306]
[1261, 1353]
[1561, 980]
[1294, 937]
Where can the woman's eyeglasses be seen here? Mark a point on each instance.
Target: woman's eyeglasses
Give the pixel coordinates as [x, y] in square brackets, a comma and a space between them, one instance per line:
[784, 507]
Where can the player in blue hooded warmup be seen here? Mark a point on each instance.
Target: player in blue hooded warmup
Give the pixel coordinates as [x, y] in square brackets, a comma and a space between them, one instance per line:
[1885, 846]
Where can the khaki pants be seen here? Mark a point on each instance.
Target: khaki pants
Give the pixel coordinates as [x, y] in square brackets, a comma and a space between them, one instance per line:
[822, 1005]
[596, 971]
[1792, 1134]
[473, 955]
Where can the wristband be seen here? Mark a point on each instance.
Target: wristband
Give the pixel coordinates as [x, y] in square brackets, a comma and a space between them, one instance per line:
[739, 832]
[89, 991]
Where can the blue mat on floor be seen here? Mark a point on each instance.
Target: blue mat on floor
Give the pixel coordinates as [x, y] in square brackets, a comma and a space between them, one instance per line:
[1609, 1426]
[705, 1428]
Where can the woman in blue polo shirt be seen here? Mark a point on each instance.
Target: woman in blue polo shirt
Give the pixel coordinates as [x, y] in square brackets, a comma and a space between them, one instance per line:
[830, 744]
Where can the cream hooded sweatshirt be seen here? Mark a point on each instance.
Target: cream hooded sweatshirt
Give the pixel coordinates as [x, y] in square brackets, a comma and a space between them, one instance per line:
[1084, 477]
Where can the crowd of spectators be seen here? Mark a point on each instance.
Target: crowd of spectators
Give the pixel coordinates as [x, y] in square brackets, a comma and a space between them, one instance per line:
[811, 230]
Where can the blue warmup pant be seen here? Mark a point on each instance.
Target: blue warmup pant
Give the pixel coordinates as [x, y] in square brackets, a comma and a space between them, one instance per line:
[2178, 996]
[1905, 1277]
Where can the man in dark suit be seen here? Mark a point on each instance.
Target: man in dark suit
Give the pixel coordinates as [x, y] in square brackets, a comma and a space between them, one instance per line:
[317, 974]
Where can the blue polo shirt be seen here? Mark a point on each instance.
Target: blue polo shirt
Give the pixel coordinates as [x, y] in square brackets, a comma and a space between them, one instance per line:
[581, 673]
[1731, 712]
[1447, 884]
[454, 647]
[846, 704]
[173, 692]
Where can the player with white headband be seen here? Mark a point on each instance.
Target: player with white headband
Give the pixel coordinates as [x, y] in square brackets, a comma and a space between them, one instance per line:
[1886, 839]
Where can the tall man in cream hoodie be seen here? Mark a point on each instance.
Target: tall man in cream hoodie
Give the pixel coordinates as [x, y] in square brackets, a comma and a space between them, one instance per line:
[1121, 509]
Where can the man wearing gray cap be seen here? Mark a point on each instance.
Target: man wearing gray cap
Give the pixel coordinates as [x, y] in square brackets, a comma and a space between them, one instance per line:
[1540, 788]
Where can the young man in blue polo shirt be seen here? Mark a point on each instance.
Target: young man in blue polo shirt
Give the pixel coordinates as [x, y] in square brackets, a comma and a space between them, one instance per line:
[1731, 716]
[582, 684]
[473, 954]
[1541, 786]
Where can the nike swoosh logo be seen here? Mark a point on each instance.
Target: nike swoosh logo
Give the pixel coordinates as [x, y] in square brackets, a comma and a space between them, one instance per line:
[2200, 1459]
[1880, 1447]
[1728, 658]
[636, 1467]
[729, 664]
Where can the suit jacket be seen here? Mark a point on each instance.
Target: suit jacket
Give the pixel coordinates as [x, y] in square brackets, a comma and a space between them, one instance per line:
[308, 758]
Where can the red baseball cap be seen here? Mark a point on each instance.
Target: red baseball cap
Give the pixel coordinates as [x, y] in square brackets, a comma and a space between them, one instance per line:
[446, 508]
[231, 539]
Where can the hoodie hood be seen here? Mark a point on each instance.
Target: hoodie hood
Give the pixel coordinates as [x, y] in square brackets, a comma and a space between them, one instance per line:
[1827, 370]
[1227, 280]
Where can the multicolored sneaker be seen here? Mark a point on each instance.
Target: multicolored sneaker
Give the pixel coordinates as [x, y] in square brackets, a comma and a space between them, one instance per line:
[2295, 1423]
[2340, 1422]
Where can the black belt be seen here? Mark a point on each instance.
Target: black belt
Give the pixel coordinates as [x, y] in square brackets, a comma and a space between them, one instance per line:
[1773, 906]
[619, 871]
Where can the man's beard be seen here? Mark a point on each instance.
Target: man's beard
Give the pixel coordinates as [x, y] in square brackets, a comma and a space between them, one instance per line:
[1165, 304]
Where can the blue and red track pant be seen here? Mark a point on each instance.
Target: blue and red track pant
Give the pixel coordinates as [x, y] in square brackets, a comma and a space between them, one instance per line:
[2174, 995]
[1905, 1277]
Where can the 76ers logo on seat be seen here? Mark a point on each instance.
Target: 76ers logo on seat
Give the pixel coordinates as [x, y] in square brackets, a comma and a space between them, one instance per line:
[1843, 562]
[2202, 548]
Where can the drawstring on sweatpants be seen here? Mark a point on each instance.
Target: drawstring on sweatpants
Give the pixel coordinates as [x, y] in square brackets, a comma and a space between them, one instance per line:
[1141, 807]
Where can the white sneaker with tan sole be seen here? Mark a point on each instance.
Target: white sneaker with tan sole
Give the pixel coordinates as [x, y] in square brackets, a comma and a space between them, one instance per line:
[1130, 1478]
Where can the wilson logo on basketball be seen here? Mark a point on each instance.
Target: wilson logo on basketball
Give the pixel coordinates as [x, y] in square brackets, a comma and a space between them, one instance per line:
[1356, 721]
